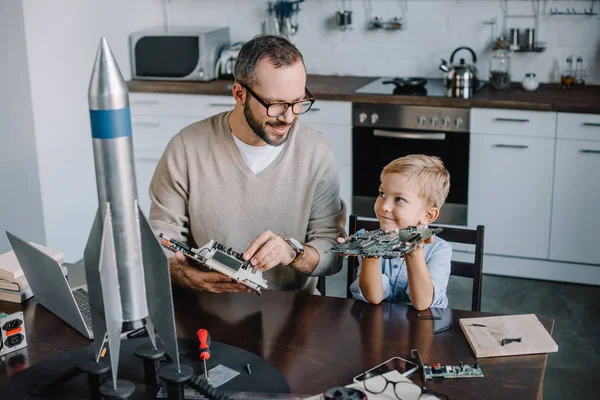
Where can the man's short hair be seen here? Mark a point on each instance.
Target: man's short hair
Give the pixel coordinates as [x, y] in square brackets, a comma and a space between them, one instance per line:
[278, 50]
[432, 178]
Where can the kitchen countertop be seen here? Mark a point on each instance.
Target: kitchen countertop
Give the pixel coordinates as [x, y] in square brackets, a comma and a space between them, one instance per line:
[548, 97]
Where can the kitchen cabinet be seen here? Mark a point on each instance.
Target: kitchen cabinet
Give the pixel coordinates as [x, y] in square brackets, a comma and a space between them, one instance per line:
[510, 192]
[576, 190]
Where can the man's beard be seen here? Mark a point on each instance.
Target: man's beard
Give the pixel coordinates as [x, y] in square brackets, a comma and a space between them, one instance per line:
[261, 131]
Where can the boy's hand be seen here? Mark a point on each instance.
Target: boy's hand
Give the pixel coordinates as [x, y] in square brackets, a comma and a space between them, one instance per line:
[428, 241]
[185, 274]
[341, 240]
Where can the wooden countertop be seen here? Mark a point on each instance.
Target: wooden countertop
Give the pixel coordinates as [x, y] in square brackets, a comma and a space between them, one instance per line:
[548, 97]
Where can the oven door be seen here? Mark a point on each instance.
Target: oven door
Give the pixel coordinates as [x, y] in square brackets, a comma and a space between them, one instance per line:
[372, 149]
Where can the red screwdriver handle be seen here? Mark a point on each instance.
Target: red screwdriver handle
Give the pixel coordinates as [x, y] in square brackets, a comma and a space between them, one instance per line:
[204, 347]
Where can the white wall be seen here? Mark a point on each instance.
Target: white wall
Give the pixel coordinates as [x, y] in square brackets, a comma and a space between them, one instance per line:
[434, 29]
[20, 202]
[62, 39]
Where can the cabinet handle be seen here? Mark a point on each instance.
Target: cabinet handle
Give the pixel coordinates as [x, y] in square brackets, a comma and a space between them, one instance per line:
[511, 146]
[147, 124]
[589, 151]
[221, 105]
[591, 124]
[512, 119]
[409, 135]
[146, 102]
[314, 109]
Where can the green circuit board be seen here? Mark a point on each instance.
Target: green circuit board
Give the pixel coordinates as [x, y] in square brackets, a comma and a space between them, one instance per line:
[379, 243]
[452, 371]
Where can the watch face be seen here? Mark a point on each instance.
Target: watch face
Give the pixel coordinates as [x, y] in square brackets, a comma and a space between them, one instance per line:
[296, 243]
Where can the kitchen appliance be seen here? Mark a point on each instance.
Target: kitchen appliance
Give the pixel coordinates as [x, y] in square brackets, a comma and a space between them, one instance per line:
[179, 54]
[412, 86]
[226, 61]
[383, 132]
[461, 77]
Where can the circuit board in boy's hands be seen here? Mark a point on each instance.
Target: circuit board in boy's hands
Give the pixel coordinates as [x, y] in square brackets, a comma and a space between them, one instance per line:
[379, 243]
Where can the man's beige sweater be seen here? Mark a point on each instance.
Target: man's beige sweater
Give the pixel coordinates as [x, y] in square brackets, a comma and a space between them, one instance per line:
[202, 189]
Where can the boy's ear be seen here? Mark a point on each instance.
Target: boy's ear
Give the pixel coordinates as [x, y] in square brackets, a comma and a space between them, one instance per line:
[430, 215]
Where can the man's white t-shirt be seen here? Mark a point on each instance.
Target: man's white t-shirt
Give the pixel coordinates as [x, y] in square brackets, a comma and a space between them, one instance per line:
[257, 157]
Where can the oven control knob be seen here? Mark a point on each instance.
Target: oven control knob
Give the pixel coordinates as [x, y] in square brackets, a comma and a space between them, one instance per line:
[434, 121]
[362, 117]
[422, 120]
[374, 118]
[459, 122]
[446, 122]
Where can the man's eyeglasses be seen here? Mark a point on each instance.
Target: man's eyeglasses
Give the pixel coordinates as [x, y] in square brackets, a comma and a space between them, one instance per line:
[403, 390]
[279, 108]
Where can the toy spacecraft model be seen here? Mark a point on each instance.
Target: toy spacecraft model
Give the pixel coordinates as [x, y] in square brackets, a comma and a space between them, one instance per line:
[379, 243]
[219, 258]
[129, 285]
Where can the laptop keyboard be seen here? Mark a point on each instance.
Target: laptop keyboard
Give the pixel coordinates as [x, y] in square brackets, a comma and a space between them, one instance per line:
[83, 302]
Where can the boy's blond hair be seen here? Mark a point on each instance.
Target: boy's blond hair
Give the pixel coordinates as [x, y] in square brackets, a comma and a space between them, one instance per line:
[432, 178]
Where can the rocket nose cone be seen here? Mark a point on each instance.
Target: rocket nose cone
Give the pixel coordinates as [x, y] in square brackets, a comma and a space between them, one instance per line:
[107, 90]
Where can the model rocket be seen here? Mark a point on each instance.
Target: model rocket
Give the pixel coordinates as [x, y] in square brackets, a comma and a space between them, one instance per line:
[128, 279]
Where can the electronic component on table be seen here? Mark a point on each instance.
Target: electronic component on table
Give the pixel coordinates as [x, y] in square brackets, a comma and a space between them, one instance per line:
[219, 258]
[379, 243]
[12, 332]
[452, 371]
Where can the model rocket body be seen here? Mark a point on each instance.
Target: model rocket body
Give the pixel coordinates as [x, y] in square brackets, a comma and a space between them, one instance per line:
[127, 272]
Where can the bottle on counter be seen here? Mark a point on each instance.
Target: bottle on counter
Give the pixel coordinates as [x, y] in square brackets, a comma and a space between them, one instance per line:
[567, 77]
[500, 65]
[530, 82]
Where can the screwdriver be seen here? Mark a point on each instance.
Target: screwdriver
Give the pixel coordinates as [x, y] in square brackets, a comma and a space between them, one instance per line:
[204, 347]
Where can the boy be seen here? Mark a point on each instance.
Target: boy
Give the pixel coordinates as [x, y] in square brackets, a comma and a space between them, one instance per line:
[412, 191]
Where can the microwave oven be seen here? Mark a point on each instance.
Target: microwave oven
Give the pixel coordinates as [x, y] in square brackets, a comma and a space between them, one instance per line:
[179, 54]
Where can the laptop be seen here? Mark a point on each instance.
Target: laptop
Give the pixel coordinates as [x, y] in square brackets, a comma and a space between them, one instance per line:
[50, 287]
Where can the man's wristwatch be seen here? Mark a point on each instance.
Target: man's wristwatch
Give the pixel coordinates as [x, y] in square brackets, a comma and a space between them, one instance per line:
[298, 248]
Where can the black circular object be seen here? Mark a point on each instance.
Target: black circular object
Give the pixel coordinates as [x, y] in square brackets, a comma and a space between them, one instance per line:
[148, 352]
[344, 393]
[265, 377]
[170, 374]
[94, 368]
[124, 390]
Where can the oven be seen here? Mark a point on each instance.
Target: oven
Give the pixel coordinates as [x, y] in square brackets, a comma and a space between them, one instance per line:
[384, 132]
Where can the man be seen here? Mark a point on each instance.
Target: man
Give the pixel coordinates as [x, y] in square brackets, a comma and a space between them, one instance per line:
[254, 178]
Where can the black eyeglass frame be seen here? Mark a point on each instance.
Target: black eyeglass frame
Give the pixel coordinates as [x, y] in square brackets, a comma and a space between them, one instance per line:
[423, 389]
[267, 105]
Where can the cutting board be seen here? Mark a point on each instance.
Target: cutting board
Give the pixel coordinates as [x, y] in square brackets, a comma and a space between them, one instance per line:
[486, 340]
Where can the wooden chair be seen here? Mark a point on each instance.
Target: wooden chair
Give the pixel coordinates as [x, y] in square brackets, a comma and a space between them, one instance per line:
[450, 234]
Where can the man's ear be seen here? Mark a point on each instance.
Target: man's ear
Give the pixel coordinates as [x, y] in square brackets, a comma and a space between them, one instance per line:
[239, 94]
[430, 215]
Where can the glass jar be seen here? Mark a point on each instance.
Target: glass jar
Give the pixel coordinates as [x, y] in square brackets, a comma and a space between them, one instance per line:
[500, 69]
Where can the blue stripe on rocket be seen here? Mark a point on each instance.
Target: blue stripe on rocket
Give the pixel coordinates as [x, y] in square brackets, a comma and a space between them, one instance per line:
[110, 124]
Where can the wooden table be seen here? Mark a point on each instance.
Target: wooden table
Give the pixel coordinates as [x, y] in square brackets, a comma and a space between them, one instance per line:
[316, 342]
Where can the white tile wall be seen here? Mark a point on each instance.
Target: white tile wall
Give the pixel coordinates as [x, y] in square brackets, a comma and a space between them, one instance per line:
[434, 29]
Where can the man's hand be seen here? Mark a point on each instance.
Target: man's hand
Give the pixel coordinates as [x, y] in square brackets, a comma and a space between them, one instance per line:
[269, 250]
[185, 274]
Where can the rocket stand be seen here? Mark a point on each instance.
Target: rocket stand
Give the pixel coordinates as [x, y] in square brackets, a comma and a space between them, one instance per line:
[123, 391]
[151, 360]
[175, 379]
[96, 372]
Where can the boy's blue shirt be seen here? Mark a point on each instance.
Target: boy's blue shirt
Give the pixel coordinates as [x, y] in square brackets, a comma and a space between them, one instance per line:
[438, 256]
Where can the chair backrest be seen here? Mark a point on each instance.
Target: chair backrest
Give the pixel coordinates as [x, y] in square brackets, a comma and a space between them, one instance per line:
[472, 270]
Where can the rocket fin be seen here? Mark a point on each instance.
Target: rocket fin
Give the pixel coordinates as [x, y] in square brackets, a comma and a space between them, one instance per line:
[111, 295]
[150, 331]
[158, 289]
[91, 256]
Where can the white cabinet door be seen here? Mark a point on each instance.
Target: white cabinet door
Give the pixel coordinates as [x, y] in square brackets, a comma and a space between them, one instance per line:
[145, 165]
[510, 192]
[575, 212]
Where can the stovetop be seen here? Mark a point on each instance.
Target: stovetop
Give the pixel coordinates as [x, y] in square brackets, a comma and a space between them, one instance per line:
[433, 87]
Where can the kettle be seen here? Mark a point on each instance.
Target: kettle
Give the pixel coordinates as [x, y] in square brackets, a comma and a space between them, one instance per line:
[226, 62]
[461, 76]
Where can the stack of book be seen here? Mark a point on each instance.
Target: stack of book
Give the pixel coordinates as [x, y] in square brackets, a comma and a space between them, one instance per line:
[13, 284]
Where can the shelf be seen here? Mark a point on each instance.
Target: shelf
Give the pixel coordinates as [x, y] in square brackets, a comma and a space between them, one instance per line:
[532, 50]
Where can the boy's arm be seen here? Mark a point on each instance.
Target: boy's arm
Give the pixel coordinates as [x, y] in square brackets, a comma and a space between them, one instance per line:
[427, 281]
[373, 285]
